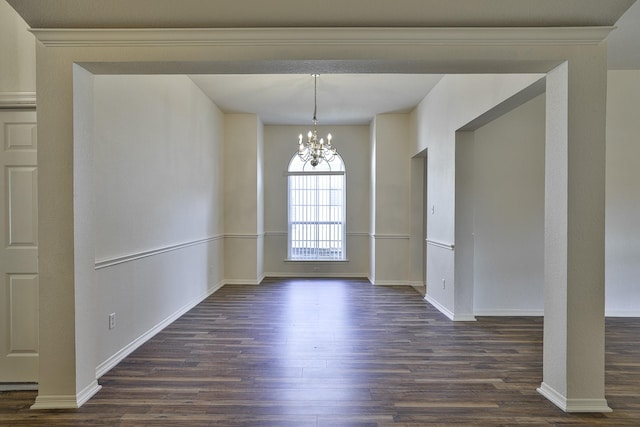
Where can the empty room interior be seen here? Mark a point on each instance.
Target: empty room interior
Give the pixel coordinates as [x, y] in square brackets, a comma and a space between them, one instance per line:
[460, 243]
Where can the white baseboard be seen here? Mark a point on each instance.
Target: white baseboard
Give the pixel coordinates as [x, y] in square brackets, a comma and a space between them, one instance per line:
[622, 313]
[509, 313]
[456, 317]
[573, 405]
[111, 362]
[56, 402]
[464, 317]
[67, 401]
[318, 275]
[248, 282]
[88, 392]
[441, 308]
[18, 386]
[391, 283]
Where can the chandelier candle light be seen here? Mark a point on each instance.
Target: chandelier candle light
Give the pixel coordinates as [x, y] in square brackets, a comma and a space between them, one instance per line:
[314, 150]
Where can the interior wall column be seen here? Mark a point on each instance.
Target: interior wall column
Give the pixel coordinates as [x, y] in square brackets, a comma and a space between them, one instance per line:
[67, 375]
[573, 372]
[391, 199]
[243, 200]
[464, 226]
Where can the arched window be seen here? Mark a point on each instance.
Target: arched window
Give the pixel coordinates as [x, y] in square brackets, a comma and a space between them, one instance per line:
[317, 210]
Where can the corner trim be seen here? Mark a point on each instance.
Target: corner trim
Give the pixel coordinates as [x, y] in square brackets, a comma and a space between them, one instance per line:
[366, 36]
[573, 405]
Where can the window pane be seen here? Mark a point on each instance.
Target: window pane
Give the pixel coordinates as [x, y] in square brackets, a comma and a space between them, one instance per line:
[316, 213]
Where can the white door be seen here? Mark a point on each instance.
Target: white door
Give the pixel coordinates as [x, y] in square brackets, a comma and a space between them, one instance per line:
[19, 250]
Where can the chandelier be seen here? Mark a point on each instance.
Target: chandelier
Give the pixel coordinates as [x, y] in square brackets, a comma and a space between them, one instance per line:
[313, 150]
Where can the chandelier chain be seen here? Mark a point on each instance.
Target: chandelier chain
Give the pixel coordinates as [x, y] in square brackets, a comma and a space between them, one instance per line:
[315, 98]
[313, 150]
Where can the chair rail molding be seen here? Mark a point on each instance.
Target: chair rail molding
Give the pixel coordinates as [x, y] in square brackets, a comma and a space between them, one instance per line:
[17, 100]
[109, 262]
[439, 244]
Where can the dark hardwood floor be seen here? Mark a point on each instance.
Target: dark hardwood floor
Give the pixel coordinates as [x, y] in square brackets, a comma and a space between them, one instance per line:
[338, 353]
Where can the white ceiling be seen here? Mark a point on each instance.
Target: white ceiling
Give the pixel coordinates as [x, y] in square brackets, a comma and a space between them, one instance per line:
[313, 13]
[357, 98]
[342, 98]
[624, 42]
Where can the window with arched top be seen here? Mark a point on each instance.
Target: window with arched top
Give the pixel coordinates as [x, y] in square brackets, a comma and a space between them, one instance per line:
[316, 210]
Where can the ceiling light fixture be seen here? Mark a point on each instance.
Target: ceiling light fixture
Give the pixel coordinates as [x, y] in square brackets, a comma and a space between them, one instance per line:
[313, 150]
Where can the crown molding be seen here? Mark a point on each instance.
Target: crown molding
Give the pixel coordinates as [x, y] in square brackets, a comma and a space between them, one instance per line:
[469, 36]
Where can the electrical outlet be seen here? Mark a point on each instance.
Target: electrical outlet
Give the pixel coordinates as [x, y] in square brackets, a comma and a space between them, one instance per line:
[112, 320]
[443, 284]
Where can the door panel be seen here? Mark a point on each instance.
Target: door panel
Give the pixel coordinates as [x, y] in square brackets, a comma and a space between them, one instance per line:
[19, 238]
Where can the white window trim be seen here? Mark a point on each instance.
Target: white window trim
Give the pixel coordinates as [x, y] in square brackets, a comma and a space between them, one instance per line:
[344, 211]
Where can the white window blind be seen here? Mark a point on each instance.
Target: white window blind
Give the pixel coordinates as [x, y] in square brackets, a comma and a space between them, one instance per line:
[317, 212]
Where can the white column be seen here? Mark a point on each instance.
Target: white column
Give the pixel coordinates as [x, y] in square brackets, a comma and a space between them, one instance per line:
[243, 204]
[66, 356]
[573, 372]
[392, 200]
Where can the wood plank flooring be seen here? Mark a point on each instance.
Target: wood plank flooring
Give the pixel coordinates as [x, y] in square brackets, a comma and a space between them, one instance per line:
[338, 353]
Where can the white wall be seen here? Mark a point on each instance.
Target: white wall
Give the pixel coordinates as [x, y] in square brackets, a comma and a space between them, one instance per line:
[622, 267]
[508, 208]
[455, 101]
[18, 59]
[280, 144]
[56, 125]
[158, 173]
